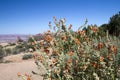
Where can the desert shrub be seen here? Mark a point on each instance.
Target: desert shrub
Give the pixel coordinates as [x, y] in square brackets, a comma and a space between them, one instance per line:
[14, 51]
[8, 51]
[22, 47]
[17, 51]
[12, 44]
[30, 46]
[80, 55]
[1, 46]
[1, 53]
[76, 56]
[27, 56]
[19, 48]
[25, 46]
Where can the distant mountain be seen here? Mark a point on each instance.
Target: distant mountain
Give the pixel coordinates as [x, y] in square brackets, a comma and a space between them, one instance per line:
[12, 37]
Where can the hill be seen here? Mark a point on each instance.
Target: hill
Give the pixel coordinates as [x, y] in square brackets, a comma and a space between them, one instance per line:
[12, 37]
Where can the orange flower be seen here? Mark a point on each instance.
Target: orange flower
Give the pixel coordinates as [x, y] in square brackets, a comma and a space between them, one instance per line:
[94, 65]
[33, 43]
[56, 52]
[77, 41]
[114, 49]
[18, 74]
[41, 58]
[95, 29]
[81, 32]
[101, 58]
[54, 60]
[61, 48]
[63, 37]
[86, 38]
[47, 51]
[48, 38]
[71, 53]
[69, 61]
[109, 57]
[28, 78]
[41, 43]
[100, 45]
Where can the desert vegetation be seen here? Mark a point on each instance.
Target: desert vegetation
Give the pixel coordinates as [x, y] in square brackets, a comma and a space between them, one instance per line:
[90, 53]
[16, 48]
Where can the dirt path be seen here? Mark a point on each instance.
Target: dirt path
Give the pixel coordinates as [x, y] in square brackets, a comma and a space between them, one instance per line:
[8, 71]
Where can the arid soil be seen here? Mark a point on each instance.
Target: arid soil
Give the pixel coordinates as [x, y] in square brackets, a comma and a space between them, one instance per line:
[8, 71]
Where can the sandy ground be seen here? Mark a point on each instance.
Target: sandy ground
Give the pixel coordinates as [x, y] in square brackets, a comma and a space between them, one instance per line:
[8, 71]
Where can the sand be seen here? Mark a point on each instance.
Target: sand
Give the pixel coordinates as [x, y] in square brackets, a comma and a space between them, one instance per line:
[8, 71]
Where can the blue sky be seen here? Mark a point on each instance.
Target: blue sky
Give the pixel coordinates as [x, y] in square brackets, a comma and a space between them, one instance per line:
[32, 16]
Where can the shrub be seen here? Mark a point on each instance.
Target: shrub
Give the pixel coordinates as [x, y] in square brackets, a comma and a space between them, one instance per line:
[1, 53]
[8, 51]
[14, 51]
[22, 47]
[27, 56]
[78, 55]
[19, 48]
[12, 44]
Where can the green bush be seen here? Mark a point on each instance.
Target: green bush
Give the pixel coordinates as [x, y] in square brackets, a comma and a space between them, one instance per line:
[27, 56]
[8, 51]
[19, 48]
[14, 52]
[1, 53]
[12, 44]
